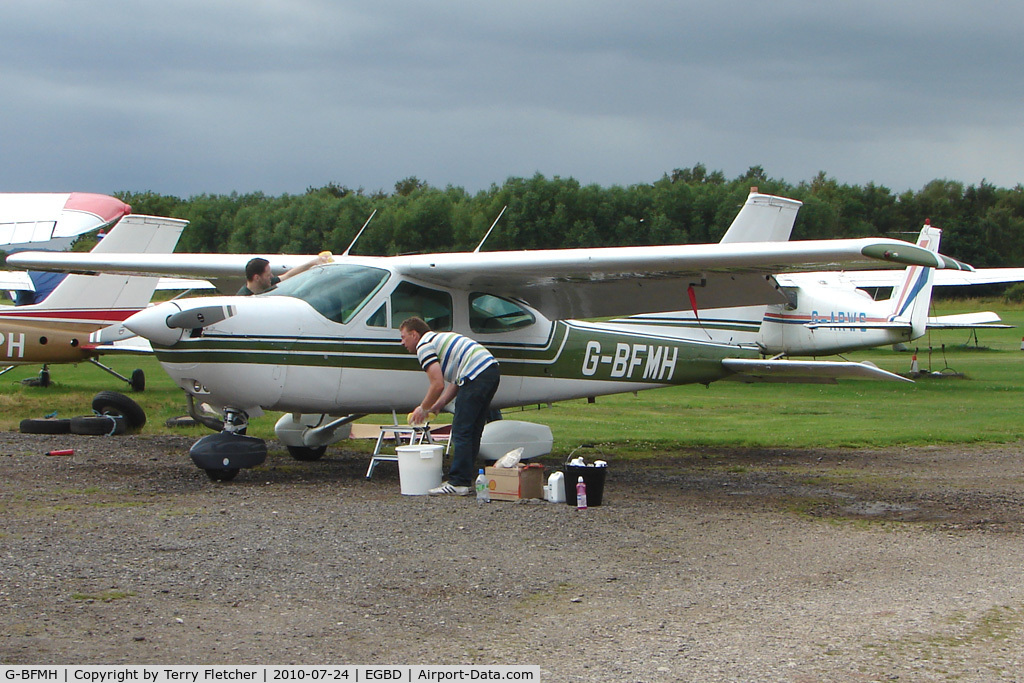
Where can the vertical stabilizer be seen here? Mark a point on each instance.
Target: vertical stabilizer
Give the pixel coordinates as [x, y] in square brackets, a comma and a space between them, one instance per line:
[912, 298]
[763, 218]
[132, 234]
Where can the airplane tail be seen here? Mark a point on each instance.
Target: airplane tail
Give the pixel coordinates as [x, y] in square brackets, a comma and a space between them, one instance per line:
[763, 218]
[132, 234]
[912, 297]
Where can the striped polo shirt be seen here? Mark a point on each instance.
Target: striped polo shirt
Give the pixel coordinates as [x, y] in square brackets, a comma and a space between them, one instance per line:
[460, 357]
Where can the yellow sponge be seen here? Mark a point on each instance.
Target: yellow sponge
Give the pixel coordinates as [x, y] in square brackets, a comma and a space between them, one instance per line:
[409, 420]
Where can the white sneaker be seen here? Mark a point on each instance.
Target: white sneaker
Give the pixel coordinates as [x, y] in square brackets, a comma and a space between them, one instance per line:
[447, 489]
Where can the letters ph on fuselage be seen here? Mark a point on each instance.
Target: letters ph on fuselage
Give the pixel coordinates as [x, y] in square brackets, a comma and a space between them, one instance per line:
[13, 344]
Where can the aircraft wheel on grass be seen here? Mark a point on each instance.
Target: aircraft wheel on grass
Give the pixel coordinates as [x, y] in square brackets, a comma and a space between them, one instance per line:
[99, 425]
[138, 380]
[307, 453]
[114, 403]
[45, 426]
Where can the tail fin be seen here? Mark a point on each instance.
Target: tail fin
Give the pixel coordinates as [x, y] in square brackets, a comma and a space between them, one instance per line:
[912, 298]
[763, 218]
[132, 234]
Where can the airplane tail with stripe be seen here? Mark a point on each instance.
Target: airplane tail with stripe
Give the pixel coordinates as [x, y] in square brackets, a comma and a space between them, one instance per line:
[132, 234]
[912, 297]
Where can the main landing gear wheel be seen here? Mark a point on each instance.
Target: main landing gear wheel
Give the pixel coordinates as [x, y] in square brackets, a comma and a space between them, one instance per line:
[307, 453]
[138, 380]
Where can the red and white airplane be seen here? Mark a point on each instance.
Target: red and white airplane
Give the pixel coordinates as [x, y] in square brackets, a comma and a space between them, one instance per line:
[56, 330]
[52, 221]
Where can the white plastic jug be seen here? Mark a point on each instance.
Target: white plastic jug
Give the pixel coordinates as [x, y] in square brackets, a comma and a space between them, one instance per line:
[555, 490]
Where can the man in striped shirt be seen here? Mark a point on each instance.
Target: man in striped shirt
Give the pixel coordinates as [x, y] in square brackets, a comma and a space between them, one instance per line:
[454, 365]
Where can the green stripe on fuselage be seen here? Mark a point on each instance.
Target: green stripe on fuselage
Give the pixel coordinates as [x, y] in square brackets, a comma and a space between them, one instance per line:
[569, 352]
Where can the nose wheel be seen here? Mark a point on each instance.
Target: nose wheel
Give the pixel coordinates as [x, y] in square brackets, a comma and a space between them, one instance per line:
[223, 454]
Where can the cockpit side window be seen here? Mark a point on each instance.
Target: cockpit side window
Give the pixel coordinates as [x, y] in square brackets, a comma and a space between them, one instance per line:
[792, 297]
[489, 314]
[336, 291]
[434, 306]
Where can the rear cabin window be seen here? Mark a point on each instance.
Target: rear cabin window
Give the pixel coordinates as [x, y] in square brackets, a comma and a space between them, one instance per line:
[434, 306]
[489, 314]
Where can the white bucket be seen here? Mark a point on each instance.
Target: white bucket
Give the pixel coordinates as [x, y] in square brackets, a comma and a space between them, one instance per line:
[419, 468]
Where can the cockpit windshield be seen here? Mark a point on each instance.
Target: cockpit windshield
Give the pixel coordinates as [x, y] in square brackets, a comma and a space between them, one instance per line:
[336, 291]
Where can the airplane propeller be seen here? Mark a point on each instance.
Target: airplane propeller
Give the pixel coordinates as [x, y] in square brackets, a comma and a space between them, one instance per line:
[200, 316]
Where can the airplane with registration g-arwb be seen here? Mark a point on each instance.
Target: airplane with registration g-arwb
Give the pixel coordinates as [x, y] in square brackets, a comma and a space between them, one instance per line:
[828, 312]
[323, 347]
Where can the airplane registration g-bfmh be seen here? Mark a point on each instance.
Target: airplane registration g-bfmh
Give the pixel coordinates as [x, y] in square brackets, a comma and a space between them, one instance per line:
[324, 346]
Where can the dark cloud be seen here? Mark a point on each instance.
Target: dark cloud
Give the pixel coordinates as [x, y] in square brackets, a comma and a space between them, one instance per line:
[192, 97]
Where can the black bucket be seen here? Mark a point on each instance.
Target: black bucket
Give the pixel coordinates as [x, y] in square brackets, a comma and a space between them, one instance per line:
[593, 477]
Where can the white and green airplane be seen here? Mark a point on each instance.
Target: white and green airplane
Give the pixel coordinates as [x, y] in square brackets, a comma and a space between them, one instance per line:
[323, 347]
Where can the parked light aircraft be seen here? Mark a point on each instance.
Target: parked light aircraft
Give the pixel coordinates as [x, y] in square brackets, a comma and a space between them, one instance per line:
[57, 329]
[41, 220]
[324, 346]
[824, 314]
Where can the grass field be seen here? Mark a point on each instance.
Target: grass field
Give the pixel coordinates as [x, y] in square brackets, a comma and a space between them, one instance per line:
[983, 406]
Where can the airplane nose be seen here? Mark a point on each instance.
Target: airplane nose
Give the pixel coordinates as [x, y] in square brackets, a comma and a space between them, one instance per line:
[151, 323]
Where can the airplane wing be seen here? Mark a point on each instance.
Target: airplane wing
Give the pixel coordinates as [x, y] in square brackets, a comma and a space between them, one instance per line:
[53, 220]
[564, 283]
[943, 278]
[176, 283]
[968, 321]
[961, 321]
[590, 283]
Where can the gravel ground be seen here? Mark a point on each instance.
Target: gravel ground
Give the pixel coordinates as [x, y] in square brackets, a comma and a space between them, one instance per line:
[712, 565]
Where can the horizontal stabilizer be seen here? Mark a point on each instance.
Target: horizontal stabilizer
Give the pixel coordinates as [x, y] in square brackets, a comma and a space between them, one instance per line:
[805, 371]
[133, 346]
[967, 321]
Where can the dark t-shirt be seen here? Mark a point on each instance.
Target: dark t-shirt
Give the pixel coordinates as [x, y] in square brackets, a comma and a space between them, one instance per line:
[245, 291]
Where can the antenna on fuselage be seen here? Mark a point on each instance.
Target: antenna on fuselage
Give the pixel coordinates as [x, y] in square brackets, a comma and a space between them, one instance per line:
[360, 232]
[477, 250]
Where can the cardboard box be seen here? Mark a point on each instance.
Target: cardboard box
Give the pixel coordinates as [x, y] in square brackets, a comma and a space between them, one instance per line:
[513, 483]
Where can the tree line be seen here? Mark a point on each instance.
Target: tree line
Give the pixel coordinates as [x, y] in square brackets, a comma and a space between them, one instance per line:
[982, 224]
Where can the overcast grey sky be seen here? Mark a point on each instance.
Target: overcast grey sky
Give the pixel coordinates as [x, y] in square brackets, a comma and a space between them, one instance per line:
[186, 96]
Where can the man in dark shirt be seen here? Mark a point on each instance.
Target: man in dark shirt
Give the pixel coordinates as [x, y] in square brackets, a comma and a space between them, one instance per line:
[259, 279]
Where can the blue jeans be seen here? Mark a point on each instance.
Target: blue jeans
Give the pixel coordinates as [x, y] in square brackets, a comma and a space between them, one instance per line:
[472, 408]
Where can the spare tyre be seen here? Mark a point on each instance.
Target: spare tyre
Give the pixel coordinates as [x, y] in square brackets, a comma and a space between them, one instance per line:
[42, 425]
[114, 403]
[98, 425]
